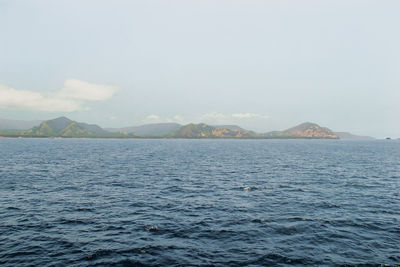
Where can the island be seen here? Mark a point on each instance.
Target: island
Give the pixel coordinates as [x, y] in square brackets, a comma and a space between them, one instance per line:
[67, 128]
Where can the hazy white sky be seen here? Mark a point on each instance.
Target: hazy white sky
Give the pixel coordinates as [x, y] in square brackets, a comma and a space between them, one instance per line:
[265, 65]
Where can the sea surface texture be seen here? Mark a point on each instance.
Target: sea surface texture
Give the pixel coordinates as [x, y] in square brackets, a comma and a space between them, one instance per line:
[98, 202]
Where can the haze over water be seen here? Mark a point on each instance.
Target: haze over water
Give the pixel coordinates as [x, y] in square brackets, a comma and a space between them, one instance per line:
[81, 202]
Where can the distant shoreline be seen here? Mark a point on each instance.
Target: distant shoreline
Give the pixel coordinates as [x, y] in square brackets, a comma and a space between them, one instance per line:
[175, 138]
[63, 127]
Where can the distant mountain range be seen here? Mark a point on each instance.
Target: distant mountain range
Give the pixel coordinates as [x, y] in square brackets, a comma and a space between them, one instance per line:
[151, 130]
[349, 136]
[17, 124]
[304, 130]
[202, 130]
[64, 127]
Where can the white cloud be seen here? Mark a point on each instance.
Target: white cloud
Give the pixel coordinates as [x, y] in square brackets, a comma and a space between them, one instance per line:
[247, 120]
[178, 118]
[152, 117]
[68, 99]
[158, 119]
[77, 89]
[20, 99]
[249, 116]
[213, 118]
[217, 118]
[214, 115]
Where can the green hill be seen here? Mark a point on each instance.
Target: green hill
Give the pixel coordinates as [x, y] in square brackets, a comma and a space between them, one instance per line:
[64, 127]
[60, 127]
[305, 130]
[206, 131]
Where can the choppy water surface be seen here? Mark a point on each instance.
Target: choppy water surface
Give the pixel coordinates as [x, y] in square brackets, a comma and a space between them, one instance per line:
[79, 202]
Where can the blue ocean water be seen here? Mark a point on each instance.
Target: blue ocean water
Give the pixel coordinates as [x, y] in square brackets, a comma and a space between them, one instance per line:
[98, 202]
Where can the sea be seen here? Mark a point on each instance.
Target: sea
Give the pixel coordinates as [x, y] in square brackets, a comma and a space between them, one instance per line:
[176, 202]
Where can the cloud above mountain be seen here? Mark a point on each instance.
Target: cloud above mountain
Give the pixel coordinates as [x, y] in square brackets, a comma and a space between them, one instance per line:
[72, 97]
[216, 117]
[152, 118]
[77, 89]
[210, 118]
[249, 116]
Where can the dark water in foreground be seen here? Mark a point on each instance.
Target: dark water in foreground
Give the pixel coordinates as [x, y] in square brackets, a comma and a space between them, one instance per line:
[80, 202]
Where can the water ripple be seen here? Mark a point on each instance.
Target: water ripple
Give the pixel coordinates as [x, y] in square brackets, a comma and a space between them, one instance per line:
[84, 202]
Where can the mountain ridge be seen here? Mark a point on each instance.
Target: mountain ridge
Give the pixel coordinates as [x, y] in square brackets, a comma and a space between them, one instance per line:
[304, 130]
[6, 124]
[64, 127]
[151, 130]
[202, 130]
[350, 136]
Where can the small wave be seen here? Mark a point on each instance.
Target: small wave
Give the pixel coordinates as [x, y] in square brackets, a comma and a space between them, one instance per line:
[84, 209]
[13, 208]
[127, 263]
[274, 258]
[99, 254]
[75, 221]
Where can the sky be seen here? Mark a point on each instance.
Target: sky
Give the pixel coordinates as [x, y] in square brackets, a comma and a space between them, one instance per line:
[263, 65]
